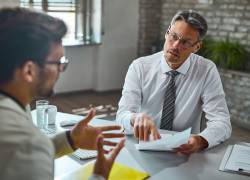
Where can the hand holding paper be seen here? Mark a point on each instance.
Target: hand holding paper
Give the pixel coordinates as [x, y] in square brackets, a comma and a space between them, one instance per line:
[167, 141]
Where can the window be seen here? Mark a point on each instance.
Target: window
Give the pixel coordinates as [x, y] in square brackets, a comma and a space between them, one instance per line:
[83, 18]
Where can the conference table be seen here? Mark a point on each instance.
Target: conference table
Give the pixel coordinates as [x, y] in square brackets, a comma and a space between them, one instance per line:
[160, 165]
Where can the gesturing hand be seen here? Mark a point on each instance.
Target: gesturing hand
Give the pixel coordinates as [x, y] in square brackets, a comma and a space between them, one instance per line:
[84, 136]
[104, 164]
[144, 126]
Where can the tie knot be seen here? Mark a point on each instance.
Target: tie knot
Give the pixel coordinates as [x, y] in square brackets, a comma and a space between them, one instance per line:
[173, 73]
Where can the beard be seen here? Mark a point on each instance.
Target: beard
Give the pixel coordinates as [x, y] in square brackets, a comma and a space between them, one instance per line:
[42, 89]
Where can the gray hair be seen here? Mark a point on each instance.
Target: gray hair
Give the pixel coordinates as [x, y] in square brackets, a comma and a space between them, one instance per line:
[194, 19]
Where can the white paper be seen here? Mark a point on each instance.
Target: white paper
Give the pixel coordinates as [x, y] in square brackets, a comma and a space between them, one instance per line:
[239, 159]
[166, 143]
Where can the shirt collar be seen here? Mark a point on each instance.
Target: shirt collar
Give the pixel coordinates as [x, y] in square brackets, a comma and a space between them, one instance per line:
[182, 69]
[13, 98]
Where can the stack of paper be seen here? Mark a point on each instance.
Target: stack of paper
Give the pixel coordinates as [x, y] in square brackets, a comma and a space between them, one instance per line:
[236, 159]
[166, 143]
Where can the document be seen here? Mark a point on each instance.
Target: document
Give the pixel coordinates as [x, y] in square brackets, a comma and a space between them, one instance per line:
[236, 159]
[166, 143]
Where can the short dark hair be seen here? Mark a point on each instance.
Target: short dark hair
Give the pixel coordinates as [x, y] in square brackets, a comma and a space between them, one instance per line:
[26, 35]
[194, 19]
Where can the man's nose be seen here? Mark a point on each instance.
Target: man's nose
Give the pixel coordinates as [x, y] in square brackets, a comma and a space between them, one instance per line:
[177, 43]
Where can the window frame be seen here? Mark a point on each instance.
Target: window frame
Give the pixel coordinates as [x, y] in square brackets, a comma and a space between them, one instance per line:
[88, 19]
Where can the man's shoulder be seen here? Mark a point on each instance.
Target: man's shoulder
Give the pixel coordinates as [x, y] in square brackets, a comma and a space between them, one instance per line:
[15, 122]
[8, 105]
[17, 132]
[201, 61]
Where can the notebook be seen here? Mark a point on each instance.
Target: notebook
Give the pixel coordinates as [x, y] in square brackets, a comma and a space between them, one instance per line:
[84, 154]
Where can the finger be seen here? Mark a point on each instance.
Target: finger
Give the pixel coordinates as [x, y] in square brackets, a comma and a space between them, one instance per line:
[146, 134]
[117, 149]
[110, 128]
[186, 146]
[136, 131]
[183, 148]
[88, 118]
[99, 146]
[176, 150]
[156, 134]
[109, 143]
[141, 132]
[113, 135]
[188, 152]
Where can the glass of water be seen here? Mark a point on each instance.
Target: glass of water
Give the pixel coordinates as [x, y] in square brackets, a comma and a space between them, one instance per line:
[41, 106]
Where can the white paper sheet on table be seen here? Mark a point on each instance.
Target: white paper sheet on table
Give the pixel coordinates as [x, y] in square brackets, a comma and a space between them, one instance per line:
[166, 143]
[239, 159]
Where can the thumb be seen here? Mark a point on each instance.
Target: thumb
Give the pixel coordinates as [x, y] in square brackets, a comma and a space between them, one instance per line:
[117, 149]
[88, 118]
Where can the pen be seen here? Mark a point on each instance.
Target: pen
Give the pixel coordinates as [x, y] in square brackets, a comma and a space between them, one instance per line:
[244, 170]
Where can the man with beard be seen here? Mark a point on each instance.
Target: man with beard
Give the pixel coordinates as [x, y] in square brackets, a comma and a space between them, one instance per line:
[173, 88]
[32, 58]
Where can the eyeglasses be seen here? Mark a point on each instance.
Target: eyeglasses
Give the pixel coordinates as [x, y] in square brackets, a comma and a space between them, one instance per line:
[184, 43]
[62, 63]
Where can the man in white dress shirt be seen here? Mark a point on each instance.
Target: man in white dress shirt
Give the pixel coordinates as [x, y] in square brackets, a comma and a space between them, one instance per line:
[32, 58]
[198, 88]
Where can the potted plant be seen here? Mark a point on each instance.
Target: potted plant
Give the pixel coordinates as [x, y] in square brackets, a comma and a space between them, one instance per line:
[231, 59]
[226, 54]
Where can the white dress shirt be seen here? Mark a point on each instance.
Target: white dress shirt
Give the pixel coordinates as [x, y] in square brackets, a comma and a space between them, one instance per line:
[198, 89]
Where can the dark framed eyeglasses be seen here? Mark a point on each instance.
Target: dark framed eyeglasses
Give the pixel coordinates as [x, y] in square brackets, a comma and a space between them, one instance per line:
[184, 43]
[62, 63]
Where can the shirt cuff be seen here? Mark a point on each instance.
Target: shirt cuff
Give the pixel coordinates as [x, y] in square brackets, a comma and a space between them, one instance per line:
[211, 138]
[128, 129]
[61, 144]
[70, 141]
[96, 177]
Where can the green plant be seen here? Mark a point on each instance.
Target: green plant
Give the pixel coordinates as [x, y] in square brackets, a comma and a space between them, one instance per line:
[226, 54]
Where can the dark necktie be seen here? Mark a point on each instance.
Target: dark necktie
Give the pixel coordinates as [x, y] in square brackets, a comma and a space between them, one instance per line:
[169, 103]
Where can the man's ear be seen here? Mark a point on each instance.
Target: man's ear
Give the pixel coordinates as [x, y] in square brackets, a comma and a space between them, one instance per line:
[197, 47]
[29, 71]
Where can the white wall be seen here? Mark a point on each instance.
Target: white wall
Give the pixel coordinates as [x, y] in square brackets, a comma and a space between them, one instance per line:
[119, 47]
[103, 67]
[9, 3]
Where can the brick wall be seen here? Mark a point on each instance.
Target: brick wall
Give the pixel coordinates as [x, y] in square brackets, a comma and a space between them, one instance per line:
[236, 86]
[226, 18]
[149, 24]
